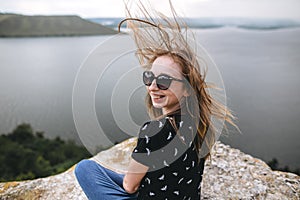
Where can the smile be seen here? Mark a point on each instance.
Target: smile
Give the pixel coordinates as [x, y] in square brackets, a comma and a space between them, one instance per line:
[157, 99]
[157, 96]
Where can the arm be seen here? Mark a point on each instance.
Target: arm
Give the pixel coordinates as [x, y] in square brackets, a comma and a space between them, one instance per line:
[136, 172]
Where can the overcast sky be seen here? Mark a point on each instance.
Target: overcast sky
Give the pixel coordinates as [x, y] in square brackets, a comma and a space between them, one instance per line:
[187, 8]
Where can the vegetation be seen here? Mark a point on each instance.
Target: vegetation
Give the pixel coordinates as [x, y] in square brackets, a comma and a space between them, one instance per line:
[13, 25]
[25, 154]
[275, 166]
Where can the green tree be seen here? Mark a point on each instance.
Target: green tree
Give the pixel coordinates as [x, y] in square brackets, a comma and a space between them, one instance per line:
[25, 154]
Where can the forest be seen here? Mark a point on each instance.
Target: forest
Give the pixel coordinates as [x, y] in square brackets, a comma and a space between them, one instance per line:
[26, 154]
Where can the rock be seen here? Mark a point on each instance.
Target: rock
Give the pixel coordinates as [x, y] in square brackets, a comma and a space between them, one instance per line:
[229, 174]
[232, 174]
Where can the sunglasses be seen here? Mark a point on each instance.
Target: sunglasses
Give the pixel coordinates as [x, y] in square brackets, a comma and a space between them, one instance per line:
[163, 81]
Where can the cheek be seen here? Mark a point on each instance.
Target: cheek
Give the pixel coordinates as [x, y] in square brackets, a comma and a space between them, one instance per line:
[176, 92]
[174, 96]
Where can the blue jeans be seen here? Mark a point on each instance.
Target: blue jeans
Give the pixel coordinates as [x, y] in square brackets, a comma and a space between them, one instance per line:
[100, 183]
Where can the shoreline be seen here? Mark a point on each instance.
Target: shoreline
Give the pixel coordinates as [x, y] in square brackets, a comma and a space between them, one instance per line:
[124, 31]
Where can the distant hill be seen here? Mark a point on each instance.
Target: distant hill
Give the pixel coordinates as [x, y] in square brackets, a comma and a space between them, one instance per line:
[13, 25]
[215, 22]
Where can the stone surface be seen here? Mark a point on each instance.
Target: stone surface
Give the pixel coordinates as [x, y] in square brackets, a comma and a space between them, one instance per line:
[229, 174]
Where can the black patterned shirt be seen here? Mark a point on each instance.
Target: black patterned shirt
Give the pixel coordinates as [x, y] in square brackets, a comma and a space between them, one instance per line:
[175, 172]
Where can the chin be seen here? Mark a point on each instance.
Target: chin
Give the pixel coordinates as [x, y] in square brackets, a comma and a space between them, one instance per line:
[155, 105]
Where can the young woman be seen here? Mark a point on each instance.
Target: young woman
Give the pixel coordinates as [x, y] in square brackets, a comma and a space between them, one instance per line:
[166, 163]
[168, 160]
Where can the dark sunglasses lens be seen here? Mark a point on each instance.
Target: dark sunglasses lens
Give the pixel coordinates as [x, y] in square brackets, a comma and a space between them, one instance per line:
[163, 82]
[148, 78]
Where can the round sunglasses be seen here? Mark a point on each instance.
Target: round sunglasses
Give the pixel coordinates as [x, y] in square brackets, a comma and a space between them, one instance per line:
[163, 81]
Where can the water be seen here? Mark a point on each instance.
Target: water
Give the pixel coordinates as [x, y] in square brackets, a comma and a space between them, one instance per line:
[215, 22]
[36, 80]
[260, 70]
[261, 76]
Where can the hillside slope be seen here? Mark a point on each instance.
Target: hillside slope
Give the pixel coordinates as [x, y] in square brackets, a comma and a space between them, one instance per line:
[12, 25]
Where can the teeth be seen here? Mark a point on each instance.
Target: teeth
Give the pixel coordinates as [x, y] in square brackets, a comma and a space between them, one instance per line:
[157, 97]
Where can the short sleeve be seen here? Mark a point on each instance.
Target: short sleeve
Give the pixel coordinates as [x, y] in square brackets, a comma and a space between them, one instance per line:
[142, 153]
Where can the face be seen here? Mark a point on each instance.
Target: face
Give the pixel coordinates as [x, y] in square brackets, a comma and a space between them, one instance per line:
[168, 100]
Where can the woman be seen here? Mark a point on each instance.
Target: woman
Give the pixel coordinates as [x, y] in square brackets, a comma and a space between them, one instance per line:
[166, 155]
[168, 160]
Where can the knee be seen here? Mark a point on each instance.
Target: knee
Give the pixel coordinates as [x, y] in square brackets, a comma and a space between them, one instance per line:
[82, 168]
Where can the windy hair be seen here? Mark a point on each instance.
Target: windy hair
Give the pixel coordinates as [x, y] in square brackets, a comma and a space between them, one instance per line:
[157, 35]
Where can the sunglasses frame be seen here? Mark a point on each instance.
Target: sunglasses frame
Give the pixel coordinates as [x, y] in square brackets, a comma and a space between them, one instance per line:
[160, 85]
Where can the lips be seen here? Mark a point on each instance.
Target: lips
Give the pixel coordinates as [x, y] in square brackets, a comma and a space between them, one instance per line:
[157, 98]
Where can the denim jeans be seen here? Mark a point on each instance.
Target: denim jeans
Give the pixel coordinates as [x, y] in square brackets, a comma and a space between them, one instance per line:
[100, 183]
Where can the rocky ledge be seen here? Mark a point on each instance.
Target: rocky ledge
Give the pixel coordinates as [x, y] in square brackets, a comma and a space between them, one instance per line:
[230, 174]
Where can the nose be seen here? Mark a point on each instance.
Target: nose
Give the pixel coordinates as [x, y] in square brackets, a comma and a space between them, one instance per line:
[153, 86]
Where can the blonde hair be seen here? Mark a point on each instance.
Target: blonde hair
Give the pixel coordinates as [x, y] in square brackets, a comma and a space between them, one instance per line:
[160, 35]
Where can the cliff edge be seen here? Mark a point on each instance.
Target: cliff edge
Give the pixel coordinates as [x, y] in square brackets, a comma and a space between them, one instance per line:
[230, 174]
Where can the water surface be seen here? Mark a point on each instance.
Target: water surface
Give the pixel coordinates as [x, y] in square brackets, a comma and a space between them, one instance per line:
[260, 70]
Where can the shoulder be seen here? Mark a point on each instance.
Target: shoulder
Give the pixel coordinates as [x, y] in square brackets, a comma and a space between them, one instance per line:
[151, 128]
